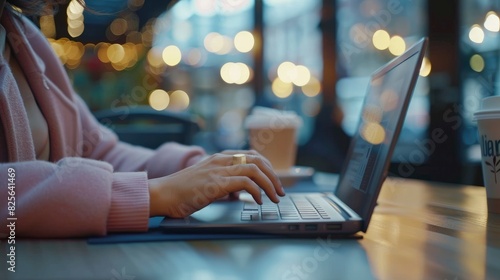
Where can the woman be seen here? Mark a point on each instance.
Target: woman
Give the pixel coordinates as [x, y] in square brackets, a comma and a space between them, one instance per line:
[65, 175]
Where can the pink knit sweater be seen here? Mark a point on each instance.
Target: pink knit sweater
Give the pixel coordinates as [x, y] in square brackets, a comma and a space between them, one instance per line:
[93, 184]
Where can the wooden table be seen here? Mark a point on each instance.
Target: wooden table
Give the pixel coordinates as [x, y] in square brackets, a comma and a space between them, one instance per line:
[420, 230]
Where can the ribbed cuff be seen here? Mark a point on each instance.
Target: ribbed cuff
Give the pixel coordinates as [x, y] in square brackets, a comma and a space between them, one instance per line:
[129, 202]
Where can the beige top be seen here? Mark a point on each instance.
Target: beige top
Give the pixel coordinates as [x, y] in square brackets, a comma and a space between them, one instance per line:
[37, 122]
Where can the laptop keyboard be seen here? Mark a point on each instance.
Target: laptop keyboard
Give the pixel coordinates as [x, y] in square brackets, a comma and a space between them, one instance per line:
[290, 208]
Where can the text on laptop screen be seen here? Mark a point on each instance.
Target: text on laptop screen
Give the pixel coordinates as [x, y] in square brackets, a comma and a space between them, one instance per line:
[381, 117]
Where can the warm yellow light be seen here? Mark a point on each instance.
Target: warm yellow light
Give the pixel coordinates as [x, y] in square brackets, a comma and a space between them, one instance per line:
[287, 72]
[282, 89]
[75, 7]
[235, 73]
[373, 133]
[48, 26]
[75, 51]
[426, 67]
[303, 75]
[76, 31]
[131, 56]
[226, 47]
[477, 63]
[225, 72]
[73, 16]
[102, 52]
[313, 88]
[154, 58]
[75, 23]
[57, 47]
[73, 64]
[381, 39]
[397, 45]
[171, 55]
[244, 73]
[118, 26]
[147, 37]
[213, 42]
[492, 22]
[159, 99]
[179, 100]
[244, 41]
[115, 53]
[476, 34]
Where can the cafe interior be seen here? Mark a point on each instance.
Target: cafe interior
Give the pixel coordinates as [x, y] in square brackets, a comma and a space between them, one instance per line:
[191, 71]
[201, 66]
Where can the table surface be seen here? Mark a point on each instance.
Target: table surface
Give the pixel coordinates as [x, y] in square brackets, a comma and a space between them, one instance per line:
[420, 230]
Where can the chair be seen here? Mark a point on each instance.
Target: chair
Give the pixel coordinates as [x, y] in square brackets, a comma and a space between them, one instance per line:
[147, 127]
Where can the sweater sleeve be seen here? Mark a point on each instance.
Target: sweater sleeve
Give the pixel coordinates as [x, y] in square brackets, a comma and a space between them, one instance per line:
[73, 197]
[102, 144]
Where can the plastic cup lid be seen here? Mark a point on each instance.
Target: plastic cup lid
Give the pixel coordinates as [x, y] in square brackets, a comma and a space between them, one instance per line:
[490, 108]
[266, 117]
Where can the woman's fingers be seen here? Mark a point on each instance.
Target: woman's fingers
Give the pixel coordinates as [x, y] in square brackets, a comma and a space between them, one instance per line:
[239, 183]
[268, 171]
[256, 169]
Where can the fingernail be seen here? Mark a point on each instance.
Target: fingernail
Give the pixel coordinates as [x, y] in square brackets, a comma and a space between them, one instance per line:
[282, 190]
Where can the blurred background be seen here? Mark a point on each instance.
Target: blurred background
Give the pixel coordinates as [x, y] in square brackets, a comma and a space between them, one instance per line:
[214, 60]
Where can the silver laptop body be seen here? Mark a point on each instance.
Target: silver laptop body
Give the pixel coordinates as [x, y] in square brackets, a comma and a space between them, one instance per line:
[348, 208]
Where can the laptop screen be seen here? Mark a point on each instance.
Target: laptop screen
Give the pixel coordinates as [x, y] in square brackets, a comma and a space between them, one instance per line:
[382, 115]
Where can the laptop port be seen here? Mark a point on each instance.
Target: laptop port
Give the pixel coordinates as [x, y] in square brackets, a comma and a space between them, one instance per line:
[333, 226]
[293, 227]
[311, 227]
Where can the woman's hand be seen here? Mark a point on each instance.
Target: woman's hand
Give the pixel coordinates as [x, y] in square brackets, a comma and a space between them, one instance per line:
[185, 192]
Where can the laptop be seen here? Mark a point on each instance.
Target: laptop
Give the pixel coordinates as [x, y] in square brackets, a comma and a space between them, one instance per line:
[348, 208]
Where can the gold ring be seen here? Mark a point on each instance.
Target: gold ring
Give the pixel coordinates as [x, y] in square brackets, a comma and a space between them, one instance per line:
[239, 159]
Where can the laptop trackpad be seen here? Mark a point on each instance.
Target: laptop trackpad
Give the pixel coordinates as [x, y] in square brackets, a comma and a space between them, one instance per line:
[218, 212]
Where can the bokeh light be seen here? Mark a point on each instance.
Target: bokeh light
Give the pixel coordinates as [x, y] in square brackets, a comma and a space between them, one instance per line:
[115, 53]
[179, 100]
[303, 75]
[312, 88]
[373, 133]
[244, 41]
[477, 63]
[159, 99]
[154, 57]
[235, 73]
[492, 22]
[397, 45]
[281, 88]
[426, 67]
[476, 34]
[171, 55]
[381, 39]
[213, 42]
[118, 26]
[287, 72]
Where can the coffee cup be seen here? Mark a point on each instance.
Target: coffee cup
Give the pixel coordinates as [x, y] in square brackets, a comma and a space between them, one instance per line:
[488, 123]
[272, 133]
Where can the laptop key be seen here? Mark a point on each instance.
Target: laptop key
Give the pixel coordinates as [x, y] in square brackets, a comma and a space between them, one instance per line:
[249, 216]
[251, 206]
[266, 216]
